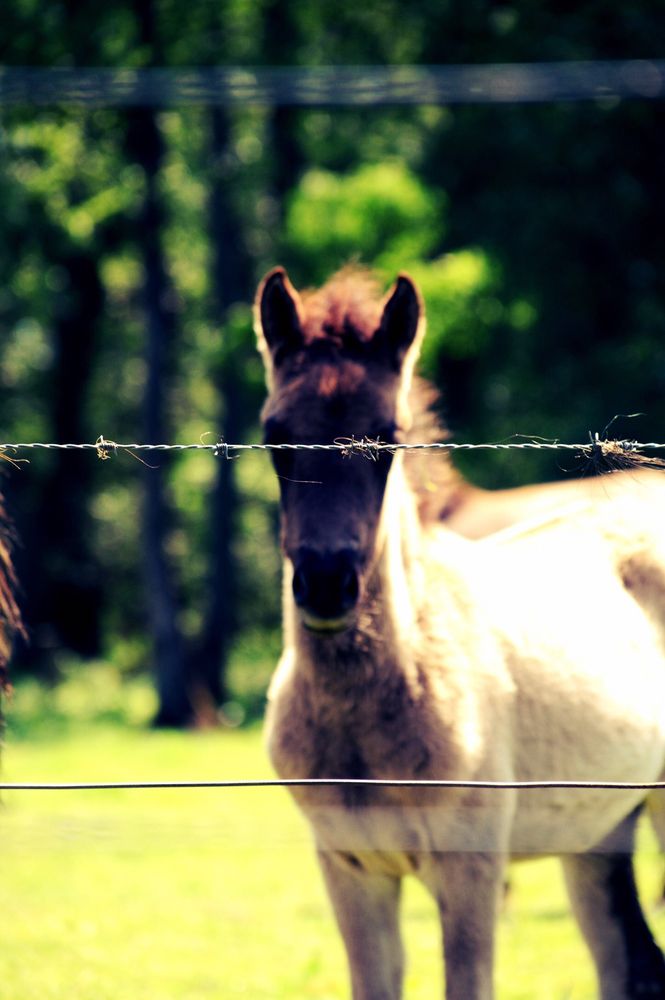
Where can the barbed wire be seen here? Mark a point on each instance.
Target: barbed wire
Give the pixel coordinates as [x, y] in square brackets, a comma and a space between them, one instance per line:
[79, 786]
[312, 86]
[596, 448]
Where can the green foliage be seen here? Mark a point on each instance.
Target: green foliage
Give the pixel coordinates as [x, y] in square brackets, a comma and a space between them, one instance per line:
[460, 295]
[378, 214]
[98, 694]
[69, 167]
[384, 216]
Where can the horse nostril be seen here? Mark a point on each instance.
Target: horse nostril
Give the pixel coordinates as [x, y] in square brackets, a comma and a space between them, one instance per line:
[300, 588]
[326, 585]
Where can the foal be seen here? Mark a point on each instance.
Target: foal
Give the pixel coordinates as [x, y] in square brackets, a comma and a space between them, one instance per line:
[411, 653]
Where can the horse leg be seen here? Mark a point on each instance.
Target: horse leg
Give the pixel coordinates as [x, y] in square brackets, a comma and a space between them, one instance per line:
[467, 888]
[366, 907]
[656, 811]
[601, 886]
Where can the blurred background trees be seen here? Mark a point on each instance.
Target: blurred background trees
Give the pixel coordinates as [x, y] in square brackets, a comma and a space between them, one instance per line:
[132, 241]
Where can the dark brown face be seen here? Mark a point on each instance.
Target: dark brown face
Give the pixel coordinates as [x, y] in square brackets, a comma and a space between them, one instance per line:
[325, 389]
[330, 503]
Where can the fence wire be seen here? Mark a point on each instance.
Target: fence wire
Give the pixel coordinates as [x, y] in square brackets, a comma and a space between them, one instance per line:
[614, 452]
[336, 86]
[81, 786]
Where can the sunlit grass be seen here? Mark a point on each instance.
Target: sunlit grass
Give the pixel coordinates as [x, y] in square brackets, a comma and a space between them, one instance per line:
[194, 895]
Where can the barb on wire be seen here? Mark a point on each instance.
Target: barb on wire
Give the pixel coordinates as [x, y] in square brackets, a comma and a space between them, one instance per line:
[105, 448]
[367, 447]
[221, 448]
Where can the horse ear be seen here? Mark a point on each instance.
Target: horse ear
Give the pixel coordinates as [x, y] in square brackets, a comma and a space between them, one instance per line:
[400, 320]
[278, 312]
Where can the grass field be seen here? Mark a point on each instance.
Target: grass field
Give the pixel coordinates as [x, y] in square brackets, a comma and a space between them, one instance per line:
[194, 895]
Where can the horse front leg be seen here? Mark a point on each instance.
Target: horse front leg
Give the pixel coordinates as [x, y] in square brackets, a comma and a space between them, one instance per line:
[366, 907]
[467, 888]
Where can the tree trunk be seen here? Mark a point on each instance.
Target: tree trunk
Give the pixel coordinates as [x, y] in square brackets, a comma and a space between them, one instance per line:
[282, 28]
[175, 707]
[146, 146]
[63, 583]
[232, 282]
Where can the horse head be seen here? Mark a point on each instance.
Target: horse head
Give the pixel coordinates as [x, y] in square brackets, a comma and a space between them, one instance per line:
[338, 365]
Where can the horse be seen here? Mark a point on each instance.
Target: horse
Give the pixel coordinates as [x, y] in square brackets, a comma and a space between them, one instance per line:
[477, 513]
[413, 654]
[10, 615]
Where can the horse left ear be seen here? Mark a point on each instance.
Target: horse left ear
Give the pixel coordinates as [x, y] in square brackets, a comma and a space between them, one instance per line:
[400, 320]
[278, 312]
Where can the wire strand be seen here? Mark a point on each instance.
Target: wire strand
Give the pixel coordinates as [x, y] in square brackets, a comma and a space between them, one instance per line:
[78, 786]
[347, 446]
[336, 86]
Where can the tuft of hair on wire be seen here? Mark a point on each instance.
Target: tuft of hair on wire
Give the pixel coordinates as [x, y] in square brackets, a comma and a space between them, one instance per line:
[605, 455]
[370, 448]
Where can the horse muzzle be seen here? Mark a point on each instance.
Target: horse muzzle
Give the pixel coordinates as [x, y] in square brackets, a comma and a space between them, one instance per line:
[326, 588]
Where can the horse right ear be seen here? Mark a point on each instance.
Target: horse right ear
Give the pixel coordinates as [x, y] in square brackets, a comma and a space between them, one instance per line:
[278, 313]
[401, 321]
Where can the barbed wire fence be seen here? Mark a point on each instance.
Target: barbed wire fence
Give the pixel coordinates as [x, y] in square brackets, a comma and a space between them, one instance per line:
[598, 450]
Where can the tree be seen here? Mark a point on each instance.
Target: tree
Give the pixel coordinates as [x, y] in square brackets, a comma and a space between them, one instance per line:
[232, 279]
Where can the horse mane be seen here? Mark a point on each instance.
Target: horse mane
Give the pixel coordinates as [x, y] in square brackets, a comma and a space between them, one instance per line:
[349, 304]
[438, 485]
[10, 616]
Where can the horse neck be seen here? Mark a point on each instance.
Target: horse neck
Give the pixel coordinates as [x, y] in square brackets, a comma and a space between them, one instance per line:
[383, 638]
[396, 577]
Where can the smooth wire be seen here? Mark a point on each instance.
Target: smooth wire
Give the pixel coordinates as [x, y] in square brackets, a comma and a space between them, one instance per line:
[79, 786]
[334, 86]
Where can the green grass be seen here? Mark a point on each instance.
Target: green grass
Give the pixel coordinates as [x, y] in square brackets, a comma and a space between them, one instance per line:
[191, 895]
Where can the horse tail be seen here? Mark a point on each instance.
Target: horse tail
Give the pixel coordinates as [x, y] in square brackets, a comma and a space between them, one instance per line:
[10, 616]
